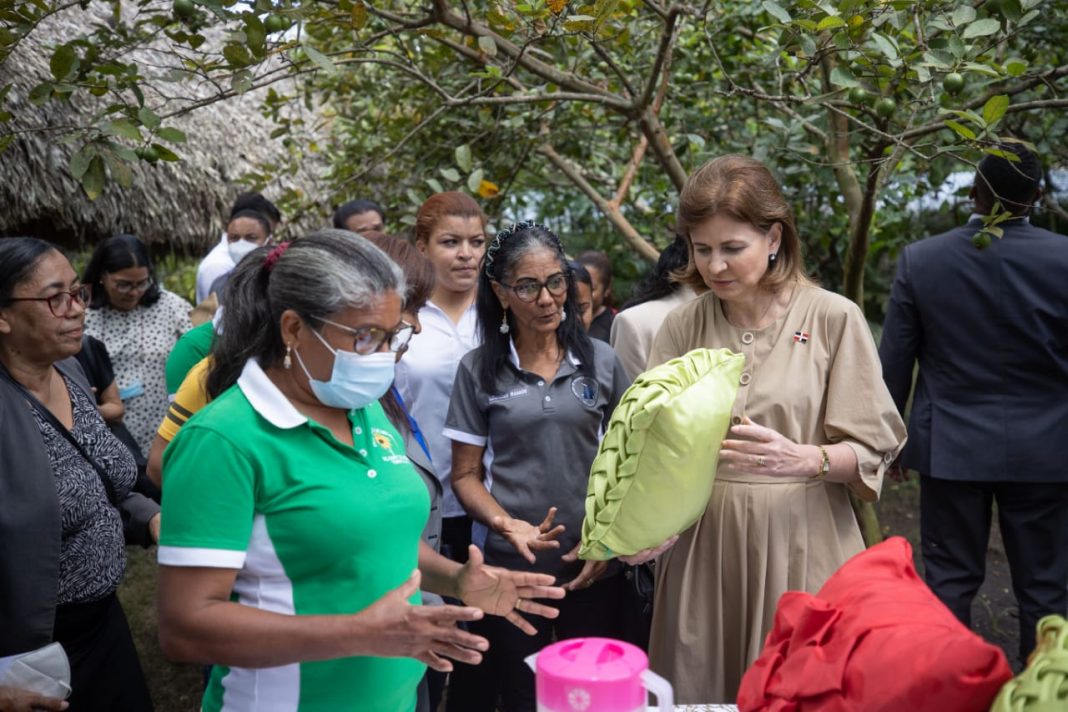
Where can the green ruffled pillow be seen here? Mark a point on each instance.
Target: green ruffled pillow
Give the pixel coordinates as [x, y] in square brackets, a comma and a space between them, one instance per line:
[1043, 685]
[654, 470]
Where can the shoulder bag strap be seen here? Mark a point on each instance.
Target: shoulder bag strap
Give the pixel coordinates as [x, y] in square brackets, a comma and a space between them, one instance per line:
[62, 430]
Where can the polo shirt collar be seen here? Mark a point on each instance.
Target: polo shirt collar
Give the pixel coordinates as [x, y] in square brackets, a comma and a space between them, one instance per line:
[976, 216]
[514, 356]
[266, 399]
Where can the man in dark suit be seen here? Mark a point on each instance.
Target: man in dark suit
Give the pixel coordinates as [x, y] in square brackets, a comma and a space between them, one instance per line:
[989, 422]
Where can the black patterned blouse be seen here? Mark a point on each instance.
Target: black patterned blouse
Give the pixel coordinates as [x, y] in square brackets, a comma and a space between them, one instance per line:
[92, 556]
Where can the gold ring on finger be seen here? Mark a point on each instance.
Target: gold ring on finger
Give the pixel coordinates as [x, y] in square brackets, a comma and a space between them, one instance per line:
[518, 602]
[761, 460]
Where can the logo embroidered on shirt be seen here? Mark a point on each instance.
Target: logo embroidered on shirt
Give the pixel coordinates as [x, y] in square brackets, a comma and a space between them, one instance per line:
[585, 389]
[801, 337]
[382, 439]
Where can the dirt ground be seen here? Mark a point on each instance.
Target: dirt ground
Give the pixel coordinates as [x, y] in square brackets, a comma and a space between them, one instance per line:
[994, 613]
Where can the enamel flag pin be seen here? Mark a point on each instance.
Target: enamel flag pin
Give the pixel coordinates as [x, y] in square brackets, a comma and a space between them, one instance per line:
[801, 337]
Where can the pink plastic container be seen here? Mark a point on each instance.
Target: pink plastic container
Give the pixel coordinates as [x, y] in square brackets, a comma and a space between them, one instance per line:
[596, 675]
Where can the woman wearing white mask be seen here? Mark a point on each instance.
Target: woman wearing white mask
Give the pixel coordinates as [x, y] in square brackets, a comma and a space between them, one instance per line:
[292, 529]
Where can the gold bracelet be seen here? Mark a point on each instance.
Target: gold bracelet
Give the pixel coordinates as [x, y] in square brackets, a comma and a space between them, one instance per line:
[825, 465]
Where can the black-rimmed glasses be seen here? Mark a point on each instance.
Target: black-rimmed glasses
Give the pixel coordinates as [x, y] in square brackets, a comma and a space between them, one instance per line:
[59, 304]
[369, 339]
[528, 289]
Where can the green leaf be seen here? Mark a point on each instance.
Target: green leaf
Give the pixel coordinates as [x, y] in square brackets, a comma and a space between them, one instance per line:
[255, 35]
[1015, 67]
[435, 185]
[963, 15]
[475, 180]
[961, 130]
[94, 178]
[171, 134]
[40, 93]
[414, 198]
[6, 141]
[463, 157]
[777, 11]
[450, 174]
[830, 22]
[148, 117]
[995, 108]
[487, 45]
[324, 62]
[79, 162]
[981, 28]
[165, 154]
[842, 77]
[64, 61]
[981, 69]
[119, 169]
[123, 128]
[237, 55]
[885, 45]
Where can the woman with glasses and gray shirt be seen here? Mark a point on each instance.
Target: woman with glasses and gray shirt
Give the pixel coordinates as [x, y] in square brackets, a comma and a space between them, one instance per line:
[528, 410]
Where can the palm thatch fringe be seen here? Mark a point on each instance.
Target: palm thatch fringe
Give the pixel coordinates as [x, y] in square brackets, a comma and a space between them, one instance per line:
[181, 205]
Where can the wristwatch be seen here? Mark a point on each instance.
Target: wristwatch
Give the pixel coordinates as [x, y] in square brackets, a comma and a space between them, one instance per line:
[825, 465]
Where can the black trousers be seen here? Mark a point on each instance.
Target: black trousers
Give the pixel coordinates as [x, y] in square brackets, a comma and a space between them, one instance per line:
[106, 673]
[955, 521]
[503, 681]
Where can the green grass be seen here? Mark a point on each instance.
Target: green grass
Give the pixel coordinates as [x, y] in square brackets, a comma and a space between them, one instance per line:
[174, 687]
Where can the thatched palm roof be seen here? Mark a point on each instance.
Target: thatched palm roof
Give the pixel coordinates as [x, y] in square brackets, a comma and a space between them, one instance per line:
[180, 204]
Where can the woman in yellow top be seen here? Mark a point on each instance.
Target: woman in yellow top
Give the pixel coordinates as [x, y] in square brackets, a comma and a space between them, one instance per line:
[812, 421]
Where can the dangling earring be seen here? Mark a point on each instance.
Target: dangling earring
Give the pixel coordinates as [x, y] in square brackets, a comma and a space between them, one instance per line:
[287, 362]
[504, 328]
[563, 315]
[771, 259]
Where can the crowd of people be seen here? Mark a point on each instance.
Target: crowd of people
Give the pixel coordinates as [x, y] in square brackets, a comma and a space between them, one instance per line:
[372, 452]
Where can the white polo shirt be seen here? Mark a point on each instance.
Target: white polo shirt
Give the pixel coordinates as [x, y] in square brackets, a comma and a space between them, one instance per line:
[425, 376]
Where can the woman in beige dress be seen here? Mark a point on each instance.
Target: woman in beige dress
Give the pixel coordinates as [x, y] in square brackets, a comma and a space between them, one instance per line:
[812, 421]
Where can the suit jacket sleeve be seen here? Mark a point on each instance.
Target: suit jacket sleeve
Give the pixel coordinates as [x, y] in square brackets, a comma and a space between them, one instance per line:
[902, 335]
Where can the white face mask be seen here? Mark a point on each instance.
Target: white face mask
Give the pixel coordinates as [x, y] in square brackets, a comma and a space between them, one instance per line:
[239, 248]
[357, 380]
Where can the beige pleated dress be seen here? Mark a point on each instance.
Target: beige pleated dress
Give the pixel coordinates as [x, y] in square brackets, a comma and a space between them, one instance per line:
[813, 376]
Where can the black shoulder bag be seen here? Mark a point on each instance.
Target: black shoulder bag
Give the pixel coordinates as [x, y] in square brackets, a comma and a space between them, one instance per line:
[62, 430]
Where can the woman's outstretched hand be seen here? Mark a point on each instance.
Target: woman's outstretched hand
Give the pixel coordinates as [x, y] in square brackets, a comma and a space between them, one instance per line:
[426, 633]
[501, 592]
[528, 538]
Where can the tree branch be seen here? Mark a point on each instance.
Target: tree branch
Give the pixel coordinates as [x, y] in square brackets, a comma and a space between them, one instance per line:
[663, 56]
[612, 212]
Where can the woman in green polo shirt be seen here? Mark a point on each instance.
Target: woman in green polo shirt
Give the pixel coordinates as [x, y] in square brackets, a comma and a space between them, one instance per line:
[291, 536]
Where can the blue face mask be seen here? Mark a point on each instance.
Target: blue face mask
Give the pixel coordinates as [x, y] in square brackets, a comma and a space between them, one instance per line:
[357, 380]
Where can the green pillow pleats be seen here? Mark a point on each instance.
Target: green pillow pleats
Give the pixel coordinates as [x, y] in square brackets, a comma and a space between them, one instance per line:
[653, 473]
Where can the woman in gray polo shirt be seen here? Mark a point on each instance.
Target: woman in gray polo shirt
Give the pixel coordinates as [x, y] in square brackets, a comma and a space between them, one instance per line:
[528, 410]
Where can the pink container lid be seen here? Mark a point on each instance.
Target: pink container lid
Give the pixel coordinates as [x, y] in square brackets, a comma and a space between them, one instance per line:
[591, 675]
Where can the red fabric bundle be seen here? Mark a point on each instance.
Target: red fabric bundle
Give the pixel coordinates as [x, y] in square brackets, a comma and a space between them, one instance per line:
[875, 639]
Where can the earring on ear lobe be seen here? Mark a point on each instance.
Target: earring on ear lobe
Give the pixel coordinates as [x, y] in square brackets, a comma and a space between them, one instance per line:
[772, 257]
[563, 315]
[504, 328]
[287, 362]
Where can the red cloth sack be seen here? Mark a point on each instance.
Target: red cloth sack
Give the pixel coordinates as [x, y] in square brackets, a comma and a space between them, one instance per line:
[876, 639]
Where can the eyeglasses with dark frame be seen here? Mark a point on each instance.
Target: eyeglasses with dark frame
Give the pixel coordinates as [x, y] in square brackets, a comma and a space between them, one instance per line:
[124, 287]
[528, 290]
[61, 301]
[369, 339]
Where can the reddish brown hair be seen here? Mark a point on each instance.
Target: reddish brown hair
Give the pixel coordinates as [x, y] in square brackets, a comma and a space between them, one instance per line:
[745, 190]
[441, 205]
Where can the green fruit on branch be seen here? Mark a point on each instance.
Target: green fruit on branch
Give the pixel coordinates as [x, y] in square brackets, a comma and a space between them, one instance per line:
[184, 9]
[276, 23]
[858, 96]
[885, 107]
[953, 83]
